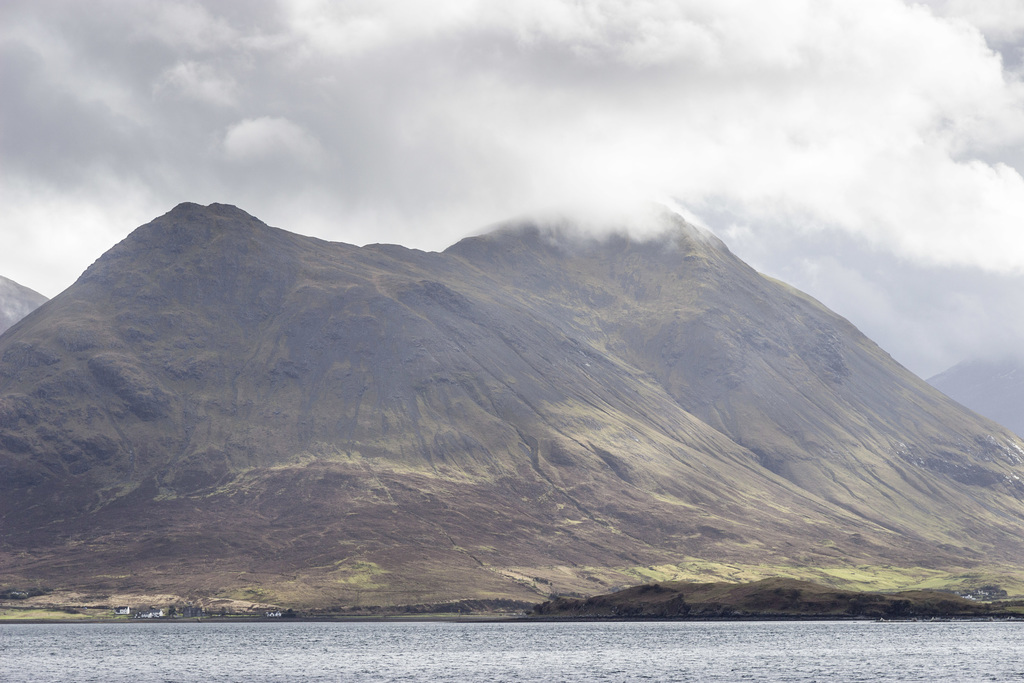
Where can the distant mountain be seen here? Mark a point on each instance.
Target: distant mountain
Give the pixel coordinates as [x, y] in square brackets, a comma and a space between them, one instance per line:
[994, 389]
[217, 408]
[16, 301]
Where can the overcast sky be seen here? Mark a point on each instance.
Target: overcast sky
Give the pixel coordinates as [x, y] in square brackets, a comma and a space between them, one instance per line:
[867, 152]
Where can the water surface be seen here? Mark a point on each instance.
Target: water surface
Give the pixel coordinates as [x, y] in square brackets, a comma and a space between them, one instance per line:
[457, 651]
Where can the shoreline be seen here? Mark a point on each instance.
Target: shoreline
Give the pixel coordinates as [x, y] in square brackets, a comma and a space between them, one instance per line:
[521, 620]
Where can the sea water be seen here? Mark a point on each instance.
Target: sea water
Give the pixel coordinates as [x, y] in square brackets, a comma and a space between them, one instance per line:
[501, 651]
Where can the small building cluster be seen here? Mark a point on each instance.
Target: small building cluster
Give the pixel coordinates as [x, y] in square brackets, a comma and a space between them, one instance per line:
[983, 593]
[188, 611]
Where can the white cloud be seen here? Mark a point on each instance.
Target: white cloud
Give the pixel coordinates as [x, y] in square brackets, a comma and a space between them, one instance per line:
[269, 138]
[63, 69]
[870, 117]
[198, 81]
[186, 25]
[359, 26]
[1002, 20]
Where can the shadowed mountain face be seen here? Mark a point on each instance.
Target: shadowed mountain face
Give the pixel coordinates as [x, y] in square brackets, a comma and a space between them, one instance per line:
[220, 408]
[993, 388]
[16, 301]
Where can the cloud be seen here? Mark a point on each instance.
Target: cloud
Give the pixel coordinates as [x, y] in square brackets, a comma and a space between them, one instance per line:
[58, 71]
[198, 81]
[269, 138]
[846, 117]
[1000, 20]
[182, 26]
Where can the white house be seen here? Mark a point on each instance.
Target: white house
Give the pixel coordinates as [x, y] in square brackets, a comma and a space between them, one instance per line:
[123, 610]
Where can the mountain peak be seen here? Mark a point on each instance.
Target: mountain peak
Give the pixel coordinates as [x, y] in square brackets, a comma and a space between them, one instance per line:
[204, 231]
[199, 221]
[193, 211]
[659, 233]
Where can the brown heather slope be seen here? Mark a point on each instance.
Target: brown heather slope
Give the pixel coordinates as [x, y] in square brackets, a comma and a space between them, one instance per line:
[220, 408]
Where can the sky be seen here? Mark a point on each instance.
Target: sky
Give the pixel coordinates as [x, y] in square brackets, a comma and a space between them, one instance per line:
[870, 153]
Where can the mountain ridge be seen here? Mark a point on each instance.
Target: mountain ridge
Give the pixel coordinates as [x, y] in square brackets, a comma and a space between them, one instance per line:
[230, 409]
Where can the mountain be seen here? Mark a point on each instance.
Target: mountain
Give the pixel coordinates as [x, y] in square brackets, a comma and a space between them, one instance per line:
[994, 388]
[218, 409]
[16, 301]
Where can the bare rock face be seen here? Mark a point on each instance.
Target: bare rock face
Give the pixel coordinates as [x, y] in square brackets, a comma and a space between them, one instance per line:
[16, 301]
[221, 408]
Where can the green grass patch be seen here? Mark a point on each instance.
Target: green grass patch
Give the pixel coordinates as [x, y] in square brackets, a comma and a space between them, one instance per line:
[879, 578]
[43, 614]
